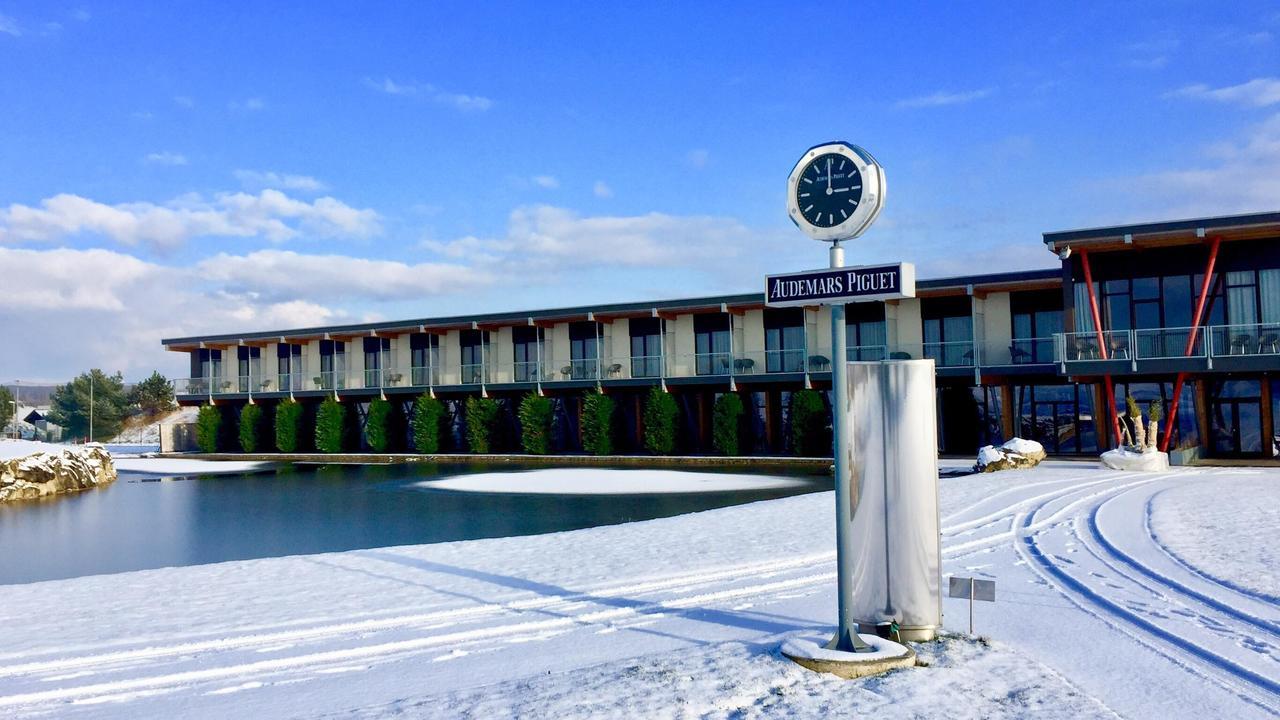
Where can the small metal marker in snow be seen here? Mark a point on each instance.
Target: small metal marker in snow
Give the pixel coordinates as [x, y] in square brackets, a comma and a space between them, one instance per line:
[967, 588]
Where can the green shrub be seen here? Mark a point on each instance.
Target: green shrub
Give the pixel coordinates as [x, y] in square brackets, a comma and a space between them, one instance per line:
[208, 425]
[482, 416]
[288, 425]
[377, 425]
[427, 412]
[331, 420]
[1155, 411]
[660, 413]
[726, 419]
[597, 424]
[535, 424]
[810, 427]
[250, 427]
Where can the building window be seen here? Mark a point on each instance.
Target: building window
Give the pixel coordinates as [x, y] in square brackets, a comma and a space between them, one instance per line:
[249, 365]
[377, 365]
[289, 367]
[424, 358]
[474, 346]
[1059, 417]
[948, 331]
[784, 340]
[206, 368]
[711, 344]
[1037, 317]
[865, 331]
[646, 347]
[527, 342]
[584, 350]
[333, 365]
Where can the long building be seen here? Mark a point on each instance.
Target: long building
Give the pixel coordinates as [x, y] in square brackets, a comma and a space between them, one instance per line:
[1186, 311]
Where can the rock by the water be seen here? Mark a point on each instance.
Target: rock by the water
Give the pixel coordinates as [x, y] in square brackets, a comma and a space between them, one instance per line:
[1015, 454]
[50, 472]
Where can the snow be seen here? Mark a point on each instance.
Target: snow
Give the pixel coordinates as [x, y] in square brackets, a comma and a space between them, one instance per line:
[593, 481]
[813, 647]
[684, 617]
[1023, 447]
[988, 455]
[19, 448]
[149, 433]
[1208, 537]
[1121, 459]
[149, 466]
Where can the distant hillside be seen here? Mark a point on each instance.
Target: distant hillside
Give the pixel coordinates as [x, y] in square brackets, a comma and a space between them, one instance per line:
[32, 394]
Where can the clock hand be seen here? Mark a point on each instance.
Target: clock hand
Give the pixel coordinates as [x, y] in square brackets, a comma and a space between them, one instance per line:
[828, 176]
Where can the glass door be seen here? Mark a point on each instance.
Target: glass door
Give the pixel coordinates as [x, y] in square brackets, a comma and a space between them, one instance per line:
[1235, 412]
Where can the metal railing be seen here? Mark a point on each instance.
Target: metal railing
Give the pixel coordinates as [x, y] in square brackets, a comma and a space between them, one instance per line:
[1161, 343]
[1244, 339]
[1019, 351]
[1087, 346]
[866, 353]
[958, 353]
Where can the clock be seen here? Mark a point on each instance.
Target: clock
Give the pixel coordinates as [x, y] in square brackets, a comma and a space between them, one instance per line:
[835, 191]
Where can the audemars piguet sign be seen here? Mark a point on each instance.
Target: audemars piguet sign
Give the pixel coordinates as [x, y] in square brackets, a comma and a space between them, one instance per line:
[841, 285]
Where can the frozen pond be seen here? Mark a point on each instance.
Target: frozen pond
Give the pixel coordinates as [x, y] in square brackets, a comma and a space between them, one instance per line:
[146, 521]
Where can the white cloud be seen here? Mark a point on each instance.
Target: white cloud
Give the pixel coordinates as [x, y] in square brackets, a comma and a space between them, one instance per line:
[252, 104]
[560, 238]
[165, 158]
[698, 158]
[1259, 92]
[285, 275]
[458, 101]
[940, 99]
[602, 190]
[1235, 176]
[546, 181]
[9, 26]
[270, 214]
[262, 179]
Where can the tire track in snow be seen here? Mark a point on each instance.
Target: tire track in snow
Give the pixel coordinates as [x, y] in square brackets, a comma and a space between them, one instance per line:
[1188, 656]
[440, 618]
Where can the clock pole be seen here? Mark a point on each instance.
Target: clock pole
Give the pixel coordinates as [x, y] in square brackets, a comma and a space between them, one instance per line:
[846, 638]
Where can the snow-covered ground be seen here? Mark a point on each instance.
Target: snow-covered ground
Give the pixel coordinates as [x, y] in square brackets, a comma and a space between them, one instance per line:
[683, 616]
[149, 433]
[146, 465]
[590, 481]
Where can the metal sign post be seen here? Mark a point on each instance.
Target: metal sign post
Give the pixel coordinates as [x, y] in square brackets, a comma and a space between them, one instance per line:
[972, 589]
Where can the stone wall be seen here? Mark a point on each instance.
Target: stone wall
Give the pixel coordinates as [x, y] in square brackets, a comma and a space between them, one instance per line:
[57, 471]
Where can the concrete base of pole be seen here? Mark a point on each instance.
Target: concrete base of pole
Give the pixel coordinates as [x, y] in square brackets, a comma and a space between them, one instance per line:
[887, 655]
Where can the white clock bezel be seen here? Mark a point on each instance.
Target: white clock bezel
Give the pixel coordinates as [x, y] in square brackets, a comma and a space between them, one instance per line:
[869, 206]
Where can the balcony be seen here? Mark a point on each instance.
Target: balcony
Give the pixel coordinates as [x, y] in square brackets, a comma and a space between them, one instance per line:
[1248, 347]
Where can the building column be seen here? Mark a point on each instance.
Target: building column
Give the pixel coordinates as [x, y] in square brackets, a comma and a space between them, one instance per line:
[1007, 412]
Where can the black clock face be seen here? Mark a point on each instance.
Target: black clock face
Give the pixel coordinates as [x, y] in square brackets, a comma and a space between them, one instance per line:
[829, 190]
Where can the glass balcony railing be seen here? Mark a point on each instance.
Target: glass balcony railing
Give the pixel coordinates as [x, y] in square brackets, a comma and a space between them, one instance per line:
[1019, 351]
[1241, 340]
[866, 353]
[949, 354]
[1159, 343]
[1090, 346]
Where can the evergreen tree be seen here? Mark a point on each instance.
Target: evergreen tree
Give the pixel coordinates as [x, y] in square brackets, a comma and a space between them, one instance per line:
[208, 428]
[71, 406]
[250, 427]
[152, 396]
[726, 421]
[660, 413]
[288, 425]
[810, 425]
[6, 408]
[482, 415]
[427, 413]
[535, 424]
[597, 424]
[331, 428]
[377, 425]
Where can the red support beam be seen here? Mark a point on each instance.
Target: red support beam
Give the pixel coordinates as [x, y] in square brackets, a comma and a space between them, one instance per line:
[1205, 285]
[1102, 345]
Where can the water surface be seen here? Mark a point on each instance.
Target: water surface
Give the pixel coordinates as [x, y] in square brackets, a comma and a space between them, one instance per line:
[141, 522]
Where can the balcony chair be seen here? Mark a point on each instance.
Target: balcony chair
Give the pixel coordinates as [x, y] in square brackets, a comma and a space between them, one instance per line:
[614, 370]
[567, 371]
[744, 365]
[1119, 347]
[394, 378]
[1086, 350]
[819, 363]
[264, 385]
[967, 358]
[1270, 341]
[1240, 342]
[899, 355]
[1017, 355]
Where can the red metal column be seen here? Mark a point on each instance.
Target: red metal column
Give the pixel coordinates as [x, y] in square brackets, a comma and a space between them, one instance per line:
[1191, 341]
[1102, 345]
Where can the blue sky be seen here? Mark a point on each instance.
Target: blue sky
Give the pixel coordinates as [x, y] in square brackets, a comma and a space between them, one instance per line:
[177, 168]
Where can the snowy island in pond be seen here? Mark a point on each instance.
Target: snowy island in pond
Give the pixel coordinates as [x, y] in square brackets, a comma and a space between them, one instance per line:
[31, 470]
[591, 481]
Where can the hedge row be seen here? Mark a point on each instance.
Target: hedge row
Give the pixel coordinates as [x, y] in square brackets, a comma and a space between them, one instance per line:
[337, 427]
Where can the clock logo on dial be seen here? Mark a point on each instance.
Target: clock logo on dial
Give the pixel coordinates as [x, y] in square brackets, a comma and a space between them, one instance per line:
[829, 190]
